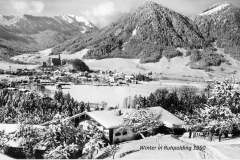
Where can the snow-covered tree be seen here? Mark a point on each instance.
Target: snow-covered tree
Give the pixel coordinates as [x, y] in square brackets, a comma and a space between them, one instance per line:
[142, 120]
[221, 111]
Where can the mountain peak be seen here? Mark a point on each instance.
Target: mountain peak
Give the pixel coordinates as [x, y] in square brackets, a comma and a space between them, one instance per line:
[216, 8]
[152, 9]
[151, 5]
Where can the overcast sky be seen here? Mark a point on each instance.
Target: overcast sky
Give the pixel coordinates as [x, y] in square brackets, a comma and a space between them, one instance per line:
[100, 12]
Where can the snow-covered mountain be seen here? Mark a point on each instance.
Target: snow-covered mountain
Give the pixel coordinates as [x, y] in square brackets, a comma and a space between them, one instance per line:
[140, 34]
[9, 20]
[76, 19]
[71, 19]
[33, 33]
[221, 23]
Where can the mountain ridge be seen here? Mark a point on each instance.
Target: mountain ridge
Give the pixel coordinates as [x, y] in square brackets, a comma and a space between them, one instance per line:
[222, 27]
[144, 33]
[150, 28]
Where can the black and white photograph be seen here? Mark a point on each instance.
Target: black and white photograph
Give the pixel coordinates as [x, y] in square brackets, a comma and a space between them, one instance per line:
[120, 79]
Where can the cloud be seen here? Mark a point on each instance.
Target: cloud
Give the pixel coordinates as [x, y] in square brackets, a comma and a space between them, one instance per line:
[104, 9]
[102, 13]
[27, 7]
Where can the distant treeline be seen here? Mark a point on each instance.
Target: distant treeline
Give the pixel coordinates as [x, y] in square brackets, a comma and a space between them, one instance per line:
[184, 100]
[205, 58]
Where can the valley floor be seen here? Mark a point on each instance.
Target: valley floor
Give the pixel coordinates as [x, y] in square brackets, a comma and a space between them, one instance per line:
[175, 68]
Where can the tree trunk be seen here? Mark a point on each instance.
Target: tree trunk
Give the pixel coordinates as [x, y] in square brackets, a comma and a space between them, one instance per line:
[190, 134]
[211, 136]
[142, 135]
[219, 137]
[226, 135]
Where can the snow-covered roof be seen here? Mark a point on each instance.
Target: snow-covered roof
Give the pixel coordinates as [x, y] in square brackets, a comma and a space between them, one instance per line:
[110, 119]
[167, 118]
[134, 33]
[11, 128]
[107, 119]
[16, 143]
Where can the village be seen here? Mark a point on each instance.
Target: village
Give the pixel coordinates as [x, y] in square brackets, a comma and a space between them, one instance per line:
[105, 127]
[54, 73]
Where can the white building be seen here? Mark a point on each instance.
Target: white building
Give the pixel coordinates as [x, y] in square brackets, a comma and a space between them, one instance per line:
[112, 123]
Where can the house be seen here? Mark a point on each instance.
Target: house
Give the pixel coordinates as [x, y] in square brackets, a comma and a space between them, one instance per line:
[45, 82]
[12, 89]
[22, 90]
[112, 79]
[57, 73]
[111, 123]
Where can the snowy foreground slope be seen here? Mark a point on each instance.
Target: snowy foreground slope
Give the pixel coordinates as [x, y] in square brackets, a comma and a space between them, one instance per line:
[4, 157]
[213, 150]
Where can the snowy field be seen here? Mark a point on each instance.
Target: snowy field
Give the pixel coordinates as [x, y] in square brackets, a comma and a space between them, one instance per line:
[175, 68]
[114, 95]
[13, 66]
[43, 56]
